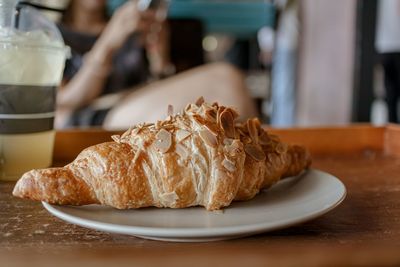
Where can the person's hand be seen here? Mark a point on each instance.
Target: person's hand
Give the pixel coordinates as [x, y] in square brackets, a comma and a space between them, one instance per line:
[125, 21]
[157, 46]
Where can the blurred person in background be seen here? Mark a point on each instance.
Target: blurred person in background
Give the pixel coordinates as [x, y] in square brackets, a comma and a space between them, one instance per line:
[106, 81]
[387, 44]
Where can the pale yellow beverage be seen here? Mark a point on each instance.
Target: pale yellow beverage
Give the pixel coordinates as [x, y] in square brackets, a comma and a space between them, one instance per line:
[23, 152]
[31, 68]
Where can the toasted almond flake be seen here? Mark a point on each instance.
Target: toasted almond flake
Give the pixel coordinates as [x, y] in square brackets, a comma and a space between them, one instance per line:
[264, 139]
[281, 148]
[234, 149]
[135, 131]
[229, 165]
[274, 138]
[181, 135]
[211, 114]
[116, 138]
[206, 106]
[243, 128]
[163, 141]
[212, 127]
[257, 123]
[199, 101]
[219, 112]
[170, 110]
[167, 120]
[228, 141]
[246, 140]
[227, 123]
[234, 152]
[200, 120]
[271, 157]
[128, 132]
[235, 114]
[209, 138]
[252, 128]
[255, 152]
[182, 151]
[240, 131]
[158, 125]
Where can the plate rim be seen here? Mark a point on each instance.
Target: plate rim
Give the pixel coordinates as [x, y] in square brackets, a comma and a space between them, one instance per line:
[197, 232]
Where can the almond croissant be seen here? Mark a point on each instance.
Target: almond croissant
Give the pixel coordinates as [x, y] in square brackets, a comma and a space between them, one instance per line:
[198, 157]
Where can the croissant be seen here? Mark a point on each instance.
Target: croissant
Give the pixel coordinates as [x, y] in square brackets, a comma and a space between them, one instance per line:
[198, 157]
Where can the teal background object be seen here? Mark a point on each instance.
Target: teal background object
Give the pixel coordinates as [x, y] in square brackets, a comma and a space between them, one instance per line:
[241, 19]
[238, 18]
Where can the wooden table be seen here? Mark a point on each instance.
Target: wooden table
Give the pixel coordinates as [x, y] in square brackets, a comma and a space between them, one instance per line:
[363, 231]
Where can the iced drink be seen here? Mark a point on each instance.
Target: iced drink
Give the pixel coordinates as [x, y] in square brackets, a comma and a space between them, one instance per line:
[31, 68]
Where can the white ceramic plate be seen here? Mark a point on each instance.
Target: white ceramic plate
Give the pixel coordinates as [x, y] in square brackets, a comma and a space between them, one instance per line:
[291, 201]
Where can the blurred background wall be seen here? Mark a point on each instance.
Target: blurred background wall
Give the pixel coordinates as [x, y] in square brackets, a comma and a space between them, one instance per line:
[326, 62]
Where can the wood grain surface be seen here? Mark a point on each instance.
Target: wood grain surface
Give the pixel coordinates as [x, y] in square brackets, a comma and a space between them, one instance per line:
[363, 231]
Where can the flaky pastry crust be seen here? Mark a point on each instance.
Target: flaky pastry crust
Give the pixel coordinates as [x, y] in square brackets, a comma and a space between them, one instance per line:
[197, 157]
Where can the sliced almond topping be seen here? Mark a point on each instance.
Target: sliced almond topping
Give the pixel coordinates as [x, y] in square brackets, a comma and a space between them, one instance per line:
[200, 120]
[170, 110]
[135, 131]
[281, 148]
[228, 141]
[128, 132]
[274, 138]
[182, 151]
[219, 112]
[191, 108]
[181, 135]
[229, 165]
[240, 130]
[246, 140]
[264, 139]
[252, 128]
[207, 124]
[206, 106]
[211, 114]
[208, 137]
[163, 141]
[235, 114]
[167, 121]
[199, 101]
[255, 152]
[227, 123]
[212, 127]
[234, 150]
[243, 128]
[187, 108]
[116, 138]
[158, 125]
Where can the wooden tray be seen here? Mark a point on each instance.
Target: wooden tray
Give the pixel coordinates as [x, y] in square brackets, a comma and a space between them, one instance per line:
[363, 231]
[320, 141]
